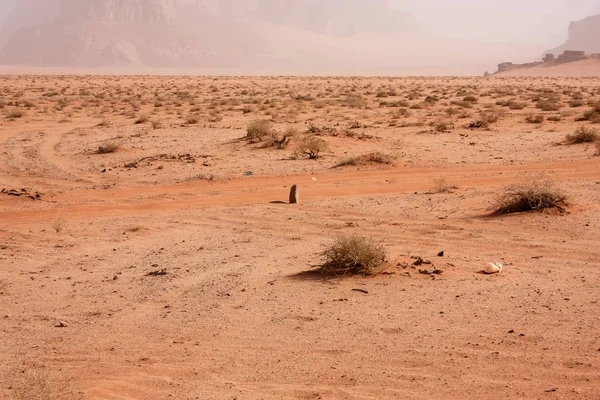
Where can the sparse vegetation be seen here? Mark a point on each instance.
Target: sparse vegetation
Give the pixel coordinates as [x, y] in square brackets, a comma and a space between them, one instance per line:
[441, 185]
[14, 114]
[59, 224]
[281, 140]
[592, 115]
[534, 118]
[583, 134]
[376, 157]
[142, 119]
[259, 130]
[310, 146]
[353, 254]
[534, 194]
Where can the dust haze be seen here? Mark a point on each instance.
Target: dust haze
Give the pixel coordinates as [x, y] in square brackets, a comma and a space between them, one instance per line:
[298, 37]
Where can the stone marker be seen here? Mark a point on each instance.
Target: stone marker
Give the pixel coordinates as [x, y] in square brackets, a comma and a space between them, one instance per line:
[294, 195]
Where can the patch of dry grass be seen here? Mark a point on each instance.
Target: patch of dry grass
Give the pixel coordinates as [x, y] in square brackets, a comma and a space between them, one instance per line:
[353, 254]
[533, 194]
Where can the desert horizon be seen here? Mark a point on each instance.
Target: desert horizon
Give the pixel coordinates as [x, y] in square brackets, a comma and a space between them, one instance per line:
[263, 199]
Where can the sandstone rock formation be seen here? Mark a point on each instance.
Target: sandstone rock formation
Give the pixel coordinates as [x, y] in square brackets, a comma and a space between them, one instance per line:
[584, 35]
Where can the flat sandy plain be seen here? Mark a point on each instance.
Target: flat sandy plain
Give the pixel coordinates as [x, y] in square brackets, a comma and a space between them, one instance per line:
[238, 314]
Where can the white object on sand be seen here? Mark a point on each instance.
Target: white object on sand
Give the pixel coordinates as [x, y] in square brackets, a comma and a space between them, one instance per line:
[493, 268]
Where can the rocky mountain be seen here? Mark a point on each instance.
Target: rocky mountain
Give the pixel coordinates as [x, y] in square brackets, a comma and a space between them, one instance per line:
[584, 35]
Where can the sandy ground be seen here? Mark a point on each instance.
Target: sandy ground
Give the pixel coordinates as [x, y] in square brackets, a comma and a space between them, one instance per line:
[238, 314]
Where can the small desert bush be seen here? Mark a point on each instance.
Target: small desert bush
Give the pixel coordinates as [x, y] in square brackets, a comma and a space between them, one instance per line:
[310, 146]
[515, 105]
[259, 130]
[549, 105]
[142, 119]
[14, 114]
[441, 185]
[583, 134]
[192, 119]
[109, 146]
[592, 115]
[353, 254]
[156, 124]
[534, 118]
[441, 126]
[376, 157]
[576, 103]
[597, 153]
[281, 140]
[534, 194]
[555, 118]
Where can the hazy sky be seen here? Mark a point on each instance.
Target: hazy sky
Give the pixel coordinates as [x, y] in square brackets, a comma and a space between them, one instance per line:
[539, 22]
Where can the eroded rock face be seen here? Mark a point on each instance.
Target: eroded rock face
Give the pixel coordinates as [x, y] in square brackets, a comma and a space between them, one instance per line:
[584, 35]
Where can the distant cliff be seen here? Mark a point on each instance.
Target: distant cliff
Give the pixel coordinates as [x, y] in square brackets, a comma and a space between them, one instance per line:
[584, 35]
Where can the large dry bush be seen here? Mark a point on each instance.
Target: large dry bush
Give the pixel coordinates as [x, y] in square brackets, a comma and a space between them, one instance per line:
[281, 140]
[536, 193]
[593, 115]
[353, 254]
[109, 146]
[583, 134]
[310, 146]
[259, 130]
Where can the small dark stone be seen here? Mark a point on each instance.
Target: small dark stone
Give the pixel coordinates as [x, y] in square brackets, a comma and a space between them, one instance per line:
[441, 254]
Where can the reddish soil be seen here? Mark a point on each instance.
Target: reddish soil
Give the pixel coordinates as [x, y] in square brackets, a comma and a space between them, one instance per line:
[239, 314]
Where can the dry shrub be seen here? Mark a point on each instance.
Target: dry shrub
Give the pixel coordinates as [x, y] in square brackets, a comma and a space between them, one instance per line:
[534, 118]
[310, 146]
[533, 194]
[59, 224]
[597, 153]
[281, 140]
[156, 124]
[592, 115]
[353, 254]
[109, 146]
[515, 105]
[441, 185]
[375, 157]
[550, 104]
[259, 130]
[14, 114]
[354, 102]
[583, 134]
[192, 119]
